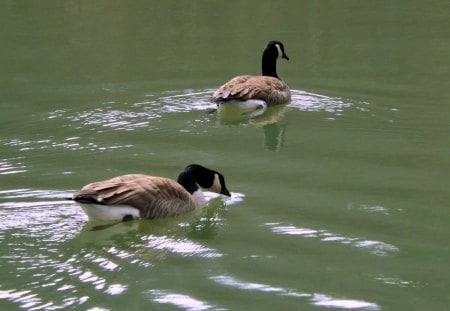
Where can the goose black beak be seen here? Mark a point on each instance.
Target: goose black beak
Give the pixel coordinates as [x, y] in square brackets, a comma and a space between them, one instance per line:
[285, 57]
[226, 192]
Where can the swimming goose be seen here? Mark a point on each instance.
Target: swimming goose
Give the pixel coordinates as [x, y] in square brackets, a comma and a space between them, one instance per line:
[262, 91]
[135, 196]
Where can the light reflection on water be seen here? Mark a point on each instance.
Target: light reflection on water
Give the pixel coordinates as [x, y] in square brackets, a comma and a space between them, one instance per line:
[318, 299]
[54, 220]
[314, 298]
[12, 166]
[69, 143]
[378, 248]
[398, 282]
[186, 100]
[110, 117]
[184, 302]
[145, 113]
[306, 101]
[181, 246]
[56, 274]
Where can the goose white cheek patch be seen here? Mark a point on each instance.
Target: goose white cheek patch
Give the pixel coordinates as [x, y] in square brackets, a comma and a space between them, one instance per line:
[280, 52]
[216, 185]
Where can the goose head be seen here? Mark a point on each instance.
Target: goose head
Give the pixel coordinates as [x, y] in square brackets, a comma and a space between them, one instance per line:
[195, 176]
[272, 51]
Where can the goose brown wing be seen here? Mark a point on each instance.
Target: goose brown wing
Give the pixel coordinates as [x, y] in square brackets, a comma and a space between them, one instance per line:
[152, 196]
[250, 87]
[231, 89]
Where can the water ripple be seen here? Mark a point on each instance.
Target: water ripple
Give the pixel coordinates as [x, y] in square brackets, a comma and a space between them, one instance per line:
[315, 102]
[53, 274]
[330, 302]
[69, 143]
[184, 302]
[314, 298]
[397, 282]
[53, 220]
[26, 299]
[113, 118]
[32, 193]
[147, 112]
[378, 248]
[235, 197]
[233, 282]
[186, 100]
[181, 246]
[12, 166]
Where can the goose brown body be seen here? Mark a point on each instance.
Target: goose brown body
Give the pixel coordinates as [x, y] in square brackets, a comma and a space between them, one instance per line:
[152, 196]
[267, 87]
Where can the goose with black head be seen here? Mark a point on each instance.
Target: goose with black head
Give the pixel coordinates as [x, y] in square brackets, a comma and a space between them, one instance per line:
[136, 196]
[259, 91]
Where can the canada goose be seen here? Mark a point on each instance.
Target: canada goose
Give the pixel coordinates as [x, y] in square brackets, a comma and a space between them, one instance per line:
[135, 196]
[259, 91]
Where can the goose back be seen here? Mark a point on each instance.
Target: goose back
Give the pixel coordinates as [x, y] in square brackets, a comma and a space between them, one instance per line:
[269, 89]
[154, 197]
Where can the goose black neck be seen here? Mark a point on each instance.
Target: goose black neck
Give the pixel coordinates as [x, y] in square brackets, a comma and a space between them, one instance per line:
[269, 63]
[189, 177]
[187, 180]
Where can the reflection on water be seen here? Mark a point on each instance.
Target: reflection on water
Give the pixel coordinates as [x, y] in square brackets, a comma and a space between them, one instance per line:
[274, 134]
[378, 248]
[54, 220]
[181, 246]
[330, 302]
[49, 271]
[314, 298]
[12, 166]
[69, 143]
[398, 282]
[127, 116]
[272, 120]
[184, 101]
[109, 117]
[233, 282]
[184, 302]
[306, 101]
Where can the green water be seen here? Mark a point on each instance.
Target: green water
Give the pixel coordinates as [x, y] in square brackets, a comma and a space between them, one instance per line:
[340, 199]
